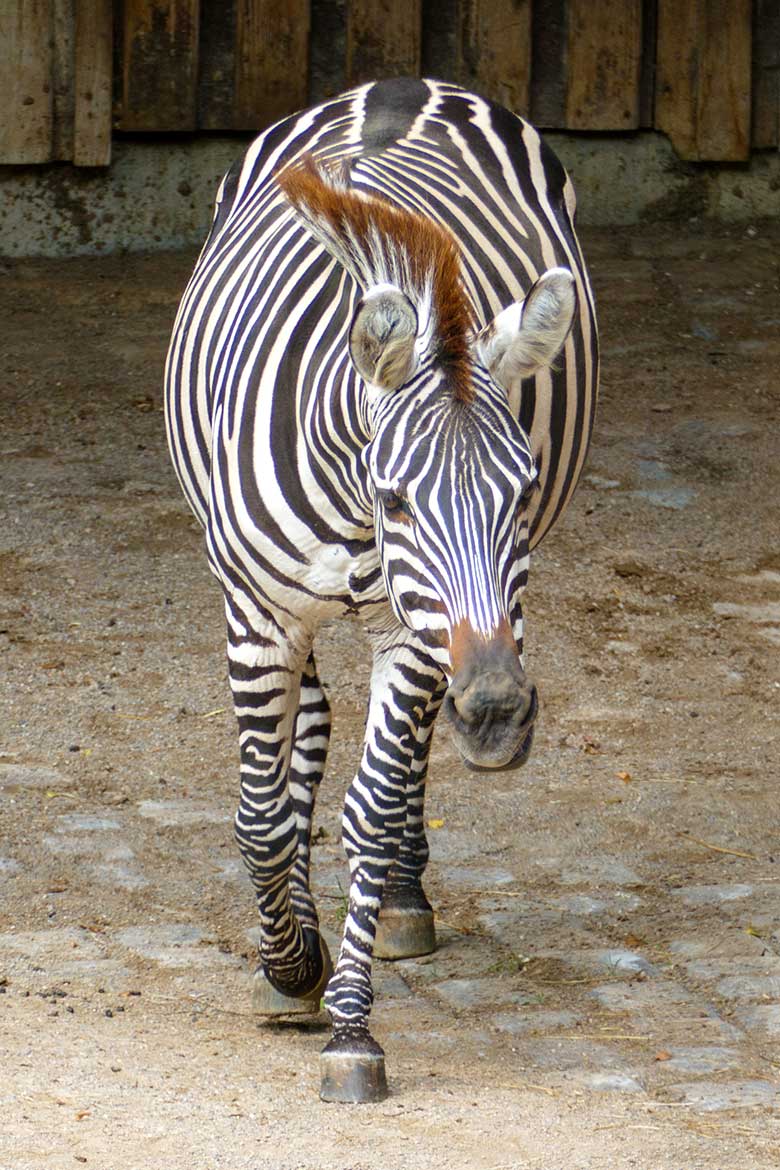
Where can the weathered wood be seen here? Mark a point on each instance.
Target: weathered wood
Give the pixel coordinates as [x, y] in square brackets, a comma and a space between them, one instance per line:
[647, 64]
[272, 43]
[62, 81]
[548, 63]
[703, 80]
[766, 74]
[676, 74]
[92, 87]
[217, 66]
[496, 48]
[604, 46]
[383, 39]
[723, 114]
[159, 65]
[327, 49]
[26, 126]
[440, 46]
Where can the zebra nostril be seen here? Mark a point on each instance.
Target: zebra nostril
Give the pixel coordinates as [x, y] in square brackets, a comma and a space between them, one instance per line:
[464, 705]
[493, 696]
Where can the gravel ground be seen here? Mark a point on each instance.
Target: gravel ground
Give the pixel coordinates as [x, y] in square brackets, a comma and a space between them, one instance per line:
[606, 993]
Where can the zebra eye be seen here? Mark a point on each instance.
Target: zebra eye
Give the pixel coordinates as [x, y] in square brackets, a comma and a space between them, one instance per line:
[529, 493]
[395, 507]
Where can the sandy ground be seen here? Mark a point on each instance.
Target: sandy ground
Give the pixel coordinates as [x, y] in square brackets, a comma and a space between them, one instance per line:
[607, 989]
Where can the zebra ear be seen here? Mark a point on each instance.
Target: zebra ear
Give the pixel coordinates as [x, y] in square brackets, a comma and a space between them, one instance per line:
[382, 337]
[529, 334]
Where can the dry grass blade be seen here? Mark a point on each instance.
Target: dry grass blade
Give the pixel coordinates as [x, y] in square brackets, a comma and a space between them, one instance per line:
[562, 982]
[717, 848]
[624, 1125]
[601, 1036]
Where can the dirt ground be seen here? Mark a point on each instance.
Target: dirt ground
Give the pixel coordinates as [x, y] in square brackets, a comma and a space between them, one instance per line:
[607, 989]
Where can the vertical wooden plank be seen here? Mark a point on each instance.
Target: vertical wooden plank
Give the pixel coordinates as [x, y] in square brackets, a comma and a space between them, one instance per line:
[93, 83]
[497, 50]
[766, 74]
[604, 52]
[62, 64]
[217, 66]
[327, 49]
[647, 64]
[159, 65]
[272, 45]
[26, 126]
[548, 63]
[723, 114]
[383, 39]
[440, 48]
[677, 74]
[703, 79]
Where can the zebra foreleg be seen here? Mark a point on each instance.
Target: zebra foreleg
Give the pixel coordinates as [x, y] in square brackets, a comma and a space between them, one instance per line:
[406, 927]
[265, 675]
[375, 815]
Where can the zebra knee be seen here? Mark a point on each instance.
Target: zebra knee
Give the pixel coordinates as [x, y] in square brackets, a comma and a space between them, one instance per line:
[267, 845]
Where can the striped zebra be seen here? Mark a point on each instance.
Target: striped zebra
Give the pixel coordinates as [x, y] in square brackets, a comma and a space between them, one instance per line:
[380, 390]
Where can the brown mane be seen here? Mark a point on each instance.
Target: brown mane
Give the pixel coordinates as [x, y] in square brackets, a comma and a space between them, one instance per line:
[373, 236]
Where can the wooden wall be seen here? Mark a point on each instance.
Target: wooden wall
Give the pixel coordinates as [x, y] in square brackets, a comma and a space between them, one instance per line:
[705, 72]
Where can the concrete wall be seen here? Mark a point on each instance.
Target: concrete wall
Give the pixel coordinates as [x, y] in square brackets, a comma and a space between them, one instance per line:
[159, 194]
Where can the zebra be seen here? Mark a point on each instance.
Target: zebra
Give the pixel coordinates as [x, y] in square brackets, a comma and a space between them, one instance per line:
[380, 390]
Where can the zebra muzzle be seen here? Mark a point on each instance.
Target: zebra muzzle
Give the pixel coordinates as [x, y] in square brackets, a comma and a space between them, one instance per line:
[490, 703]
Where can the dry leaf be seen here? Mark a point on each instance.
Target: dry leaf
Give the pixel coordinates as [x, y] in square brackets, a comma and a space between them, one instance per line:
[436, 824]
[663, 1055]
[624, 776]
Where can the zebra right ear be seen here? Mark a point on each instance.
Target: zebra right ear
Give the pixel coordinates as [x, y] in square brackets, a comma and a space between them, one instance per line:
[382, 337]
[528, 335]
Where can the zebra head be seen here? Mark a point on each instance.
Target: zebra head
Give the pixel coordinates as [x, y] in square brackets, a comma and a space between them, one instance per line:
[453, 477]
[449, 468]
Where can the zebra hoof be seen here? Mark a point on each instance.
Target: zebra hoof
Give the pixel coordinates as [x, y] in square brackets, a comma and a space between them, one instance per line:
[352, 1070]
[268, 1001]
[404, 934]
[405, 926]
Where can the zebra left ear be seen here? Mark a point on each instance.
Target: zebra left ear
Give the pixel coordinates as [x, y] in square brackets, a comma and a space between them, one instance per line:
[382, 337]
[528, 335]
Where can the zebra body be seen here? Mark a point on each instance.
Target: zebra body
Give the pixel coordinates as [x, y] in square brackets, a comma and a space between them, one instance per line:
[363, 412]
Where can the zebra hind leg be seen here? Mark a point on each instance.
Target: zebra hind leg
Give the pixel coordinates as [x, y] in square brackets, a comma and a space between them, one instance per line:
[265, 675]
[307, 765]
[405, 927]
